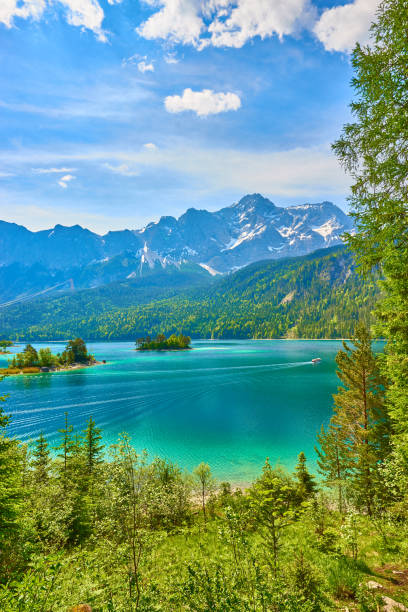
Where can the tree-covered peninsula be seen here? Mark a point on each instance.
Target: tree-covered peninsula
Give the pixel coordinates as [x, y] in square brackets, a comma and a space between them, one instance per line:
[161, 343]
[4, 346]
[31, 361]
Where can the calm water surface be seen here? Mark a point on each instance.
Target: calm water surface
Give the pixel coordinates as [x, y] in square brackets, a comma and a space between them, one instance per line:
[230, 403]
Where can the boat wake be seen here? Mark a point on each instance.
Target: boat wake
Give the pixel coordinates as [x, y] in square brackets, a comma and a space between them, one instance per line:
[272, 366]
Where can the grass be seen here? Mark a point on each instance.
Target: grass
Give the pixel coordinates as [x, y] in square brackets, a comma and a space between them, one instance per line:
[12, 371]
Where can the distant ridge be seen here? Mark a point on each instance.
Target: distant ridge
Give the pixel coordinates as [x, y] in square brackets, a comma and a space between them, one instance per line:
[249, 230]
[209, 243]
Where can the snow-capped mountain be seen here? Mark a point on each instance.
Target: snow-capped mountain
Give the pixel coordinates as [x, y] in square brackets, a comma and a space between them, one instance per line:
[250, 230]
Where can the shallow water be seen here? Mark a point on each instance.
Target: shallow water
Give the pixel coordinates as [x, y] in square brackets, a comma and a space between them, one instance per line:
[230, 403]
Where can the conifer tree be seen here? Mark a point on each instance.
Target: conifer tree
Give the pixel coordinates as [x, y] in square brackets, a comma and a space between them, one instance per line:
[66, 447]
[306, 483]
[41, 461]
[361, 416]
[92, 447]
[333, 460]
[271, 499]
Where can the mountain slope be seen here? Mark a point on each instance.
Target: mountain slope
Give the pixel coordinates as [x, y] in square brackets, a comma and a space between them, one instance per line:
[253, 229]
[22, 283]
[318, 295]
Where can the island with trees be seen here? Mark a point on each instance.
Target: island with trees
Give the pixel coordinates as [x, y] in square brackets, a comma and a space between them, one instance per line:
[161, 343]
[4, 346]
[31, 361]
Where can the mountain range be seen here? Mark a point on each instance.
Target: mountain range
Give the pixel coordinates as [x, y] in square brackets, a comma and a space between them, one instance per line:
[198, 244]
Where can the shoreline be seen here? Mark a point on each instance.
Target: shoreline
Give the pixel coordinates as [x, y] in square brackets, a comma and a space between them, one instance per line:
[76, 366]
[164, 350]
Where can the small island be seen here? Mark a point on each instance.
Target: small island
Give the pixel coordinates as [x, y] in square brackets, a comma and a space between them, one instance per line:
[31, 361]
[161, 343]
[4, 346]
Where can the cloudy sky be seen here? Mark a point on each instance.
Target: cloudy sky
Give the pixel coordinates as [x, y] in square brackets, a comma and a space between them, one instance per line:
[115, 112]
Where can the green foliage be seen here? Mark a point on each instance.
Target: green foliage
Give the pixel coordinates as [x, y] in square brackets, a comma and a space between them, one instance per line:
[4, 345]
[92, 447]
[306, 485]
[28, 358]
[41, 461]
[333, 460]
[67, 448]
[46, 358]
[205, 484]
[373, 149]
[161, 343]
[128, 531]
[75, 352]
[121, 533]
[357, 440]
[272, 499]
[324, 299]
[11, 494]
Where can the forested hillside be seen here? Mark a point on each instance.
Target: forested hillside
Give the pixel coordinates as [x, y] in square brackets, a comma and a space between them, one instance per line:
[319, 295]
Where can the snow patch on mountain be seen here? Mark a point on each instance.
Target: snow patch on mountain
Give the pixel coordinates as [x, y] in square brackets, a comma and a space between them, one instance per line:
[327, 229]
[209, 269]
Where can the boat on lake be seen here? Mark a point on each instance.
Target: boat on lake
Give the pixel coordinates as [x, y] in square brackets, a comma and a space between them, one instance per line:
[316, 360]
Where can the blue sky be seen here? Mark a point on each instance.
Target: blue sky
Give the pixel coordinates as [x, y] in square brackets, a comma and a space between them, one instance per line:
[113, 113]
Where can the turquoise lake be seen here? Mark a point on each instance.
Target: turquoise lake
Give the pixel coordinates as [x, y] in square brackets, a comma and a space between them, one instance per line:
[229, 403]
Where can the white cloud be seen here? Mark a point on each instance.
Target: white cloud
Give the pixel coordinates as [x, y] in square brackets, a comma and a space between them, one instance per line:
[145, 67]
[86, 14]
[53, 170]
[6, 174]
[131, 60]
[229, 23]
[177, 21]
[122, 169]
[171, 58]
[150, 146]
[295, 176]
[339, 28]
[299, 173]
[295, 173]
[206, 102]
[28, 9]
[263, 18]
[64, 180]
[81, 13]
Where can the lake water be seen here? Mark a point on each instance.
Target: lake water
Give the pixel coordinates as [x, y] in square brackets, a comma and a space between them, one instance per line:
[229, 403]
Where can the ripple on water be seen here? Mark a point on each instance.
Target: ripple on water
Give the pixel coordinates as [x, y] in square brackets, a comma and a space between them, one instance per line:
[230, 403]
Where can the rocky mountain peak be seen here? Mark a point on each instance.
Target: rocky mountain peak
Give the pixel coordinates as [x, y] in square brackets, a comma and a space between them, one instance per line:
[252, 229]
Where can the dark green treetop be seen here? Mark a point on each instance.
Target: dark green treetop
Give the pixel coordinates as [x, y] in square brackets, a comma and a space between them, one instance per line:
[92, 448]
[41, 459]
